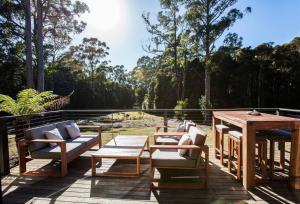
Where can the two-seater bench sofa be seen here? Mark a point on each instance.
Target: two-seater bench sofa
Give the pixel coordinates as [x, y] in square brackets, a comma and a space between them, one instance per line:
[65, 151]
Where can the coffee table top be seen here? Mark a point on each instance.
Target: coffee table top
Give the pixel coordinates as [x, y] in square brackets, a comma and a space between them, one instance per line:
[123, 146]
[128, 141]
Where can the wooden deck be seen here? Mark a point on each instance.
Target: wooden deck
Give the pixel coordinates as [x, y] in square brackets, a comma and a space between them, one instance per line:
[80, 187]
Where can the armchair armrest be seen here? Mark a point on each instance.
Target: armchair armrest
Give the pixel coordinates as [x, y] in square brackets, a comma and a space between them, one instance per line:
[47, 141]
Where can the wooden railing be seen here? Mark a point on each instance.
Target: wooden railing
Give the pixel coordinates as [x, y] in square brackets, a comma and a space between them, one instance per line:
[9, 127]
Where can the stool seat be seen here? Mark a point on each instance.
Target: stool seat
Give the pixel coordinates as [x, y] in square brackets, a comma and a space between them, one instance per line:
[278, 134]
[236, 134]
[222, 128]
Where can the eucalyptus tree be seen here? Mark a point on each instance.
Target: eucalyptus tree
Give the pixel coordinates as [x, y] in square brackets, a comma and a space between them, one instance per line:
[209, 19]
[28, 44]
[166, 36]
[91, 53]
[54, 21]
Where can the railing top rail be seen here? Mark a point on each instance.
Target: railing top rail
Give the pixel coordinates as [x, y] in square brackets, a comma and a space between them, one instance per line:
[159, 110]
[7, 118]
[289, 110]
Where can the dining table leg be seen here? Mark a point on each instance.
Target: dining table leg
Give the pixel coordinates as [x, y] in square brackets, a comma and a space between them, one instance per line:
[295, 158]
[249, 140]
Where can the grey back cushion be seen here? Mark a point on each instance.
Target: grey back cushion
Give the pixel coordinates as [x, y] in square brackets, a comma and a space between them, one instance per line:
[61, 126]
[38, 133]
[198, 138]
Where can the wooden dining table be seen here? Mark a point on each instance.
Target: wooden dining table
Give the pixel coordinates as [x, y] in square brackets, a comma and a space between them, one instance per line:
[250, 124]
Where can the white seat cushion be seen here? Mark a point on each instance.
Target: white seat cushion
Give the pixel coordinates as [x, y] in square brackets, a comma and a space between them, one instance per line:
[171, 158]
[236, 134]
[222, 127]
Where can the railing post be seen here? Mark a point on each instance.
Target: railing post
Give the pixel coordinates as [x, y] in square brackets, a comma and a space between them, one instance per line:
[278, 112]
[63, 115]
[165, 121]
[1, 194]
[4, 157]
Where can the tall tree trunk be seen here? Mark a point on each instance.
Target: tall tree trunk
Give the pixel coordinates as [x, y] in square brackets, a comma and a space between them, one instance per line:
[207, 54]
[178, 84]
[40, 49]
[28, 41]
[207, 86]
[184, 77]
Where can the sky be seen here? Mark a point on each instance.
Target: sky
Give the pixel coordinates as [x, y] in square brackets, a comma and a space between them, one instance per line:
[120, 25]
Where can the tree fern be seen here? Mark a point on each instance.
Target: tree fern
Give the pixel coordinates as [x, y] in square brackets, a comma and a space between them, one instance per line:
[30, 101]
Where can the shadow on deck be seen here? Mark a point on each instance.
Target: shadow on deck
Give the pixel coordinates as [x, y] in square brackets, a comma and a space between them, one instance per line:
[79, 187]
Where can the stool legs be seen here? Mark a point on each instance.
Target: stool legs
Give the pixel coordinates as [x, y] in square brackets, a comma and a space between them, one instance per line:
[217, 144]
[239, 160]
[222, 148]
[229, 154]
[281, 146]
[263, 159]
[272, 146]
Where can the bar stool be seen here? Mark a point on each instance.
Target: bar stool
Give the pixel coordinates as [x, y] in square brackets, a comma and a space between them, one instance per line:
[235, 146]
[281, 137]
[219, 141]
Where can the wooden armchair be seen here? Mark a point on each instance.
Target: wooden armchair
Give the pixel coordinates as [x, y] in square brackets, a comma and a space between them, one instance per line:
[66, 150]
[167, 157]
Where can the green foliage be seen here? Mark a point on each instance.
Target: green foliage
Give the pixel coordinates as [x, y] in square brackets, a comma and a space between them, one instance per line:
[183, 104]
[28, 101]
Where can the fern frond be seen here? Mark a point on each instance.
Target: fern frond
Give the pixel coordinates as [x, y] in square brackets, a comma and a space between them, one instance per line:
[7, 104]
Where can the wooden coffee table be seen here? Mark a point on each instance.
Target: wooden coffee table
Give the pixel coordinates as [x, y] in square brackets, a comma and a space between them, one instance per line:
[121, 147]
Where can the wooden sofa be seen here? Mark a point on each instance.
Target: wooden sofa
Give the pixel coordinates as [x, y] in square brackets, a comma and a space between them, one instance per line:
[166, 157]
[66, 150]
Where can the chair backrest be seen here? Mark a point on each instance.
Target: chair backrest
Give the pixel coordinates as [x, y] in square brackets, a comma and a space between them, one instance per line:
[198, 138]
[61, 126]
[188, 125]
[39, 133]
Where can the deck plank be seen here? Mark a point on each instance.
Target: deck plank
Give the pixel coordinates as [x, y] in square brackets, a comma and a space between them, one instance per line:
[79, 187]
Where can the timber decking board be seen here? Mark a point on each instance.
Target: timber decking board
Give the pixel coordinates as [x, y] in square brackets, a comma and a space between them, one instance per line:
[79, 187]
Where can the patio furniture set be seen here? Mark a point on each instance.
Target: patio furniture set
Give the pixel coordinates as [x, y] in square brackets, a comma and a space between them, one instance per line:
[62, 141]
[180, 150]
